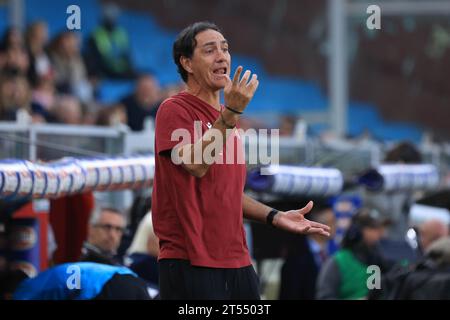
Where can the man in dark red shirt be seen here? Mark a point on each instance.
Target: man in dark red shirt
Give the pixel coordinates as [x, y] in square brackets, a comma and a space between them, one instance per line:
[199, 201]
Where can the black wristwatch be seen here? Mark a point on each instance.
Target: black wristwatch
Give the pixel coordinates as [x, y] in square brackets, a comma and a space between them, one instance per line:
[270, 216]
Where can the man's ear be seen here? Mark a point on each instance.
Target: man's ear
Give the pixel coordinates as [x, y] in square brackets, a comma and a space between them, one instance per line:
[186, 63]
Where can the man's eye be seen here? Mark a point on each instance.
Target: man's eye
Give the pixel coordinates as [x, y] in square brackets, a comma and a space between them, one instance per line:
[209, 51]
[225, 49]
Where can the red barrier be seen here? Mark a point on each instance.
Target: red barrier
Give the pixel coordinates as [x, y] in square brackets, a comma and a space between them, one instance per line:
[69, 217]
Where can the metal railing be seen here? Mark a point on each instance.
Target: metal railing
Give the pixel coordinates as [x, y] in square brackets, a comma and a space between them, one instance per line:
[54, 141]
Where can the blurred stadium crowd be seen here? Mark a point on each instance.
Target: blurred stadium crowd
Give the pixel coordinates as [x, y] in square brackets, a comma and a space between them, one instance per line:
[53, 81]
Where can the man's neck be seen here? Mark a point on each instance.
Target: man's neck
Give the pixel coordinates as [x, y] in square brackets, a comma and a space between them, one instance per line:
[208, 96]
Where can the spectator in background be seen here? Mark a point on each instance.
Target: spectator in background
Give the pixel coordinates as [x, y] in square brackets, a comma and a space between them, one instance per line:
[70, 70]
[11, 39]
[344, 276]
[13, 56]
[106, 229]
[111, 115]
[287, 126]
[430, 231]
[95, 282]
[68, 110]
[404, 152]
[15, 98]
[143, 102]
[305, 257]
[108, 51]
[44, 99]
[431, 278]
[36, 40]
[406, 280]
[396, 204]
[143, 253]
[427, 279]
[142, 204]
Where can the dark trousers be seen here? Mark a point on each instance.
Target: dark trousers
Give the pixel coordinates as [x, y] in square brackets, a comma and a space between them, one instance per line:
[179, 280]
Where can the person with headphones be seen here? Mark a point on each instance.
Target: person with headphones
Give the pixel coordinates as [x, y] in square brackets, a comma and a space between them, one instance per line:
[345, 274]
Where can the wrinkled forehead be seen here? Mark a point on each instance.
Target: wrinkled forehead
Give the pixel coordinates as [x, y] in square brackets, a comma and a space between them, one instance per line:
[209, 37]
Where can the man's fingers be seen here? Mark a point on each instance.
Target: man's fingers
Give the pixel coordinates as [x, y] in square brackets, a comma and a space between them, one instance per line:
[253, 80]
[320, 225]
[253, 86]
[245, 78]
[237, 75]
[256, 85]
[306, 208]
[228, 80]
[304, 229]
[313, 230]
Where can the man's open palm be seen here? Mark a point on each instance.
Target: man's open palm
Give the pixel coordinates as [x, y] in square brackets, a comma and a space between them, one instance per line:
[295, 221]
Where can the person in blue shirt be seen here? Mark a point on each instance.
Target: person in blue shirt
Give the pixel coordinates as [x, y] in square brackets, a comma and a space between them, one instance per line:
[75, 281]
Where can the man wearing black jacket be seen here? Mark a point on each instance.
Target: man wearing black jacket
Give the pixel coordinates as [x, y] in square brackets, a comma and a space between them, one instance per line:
[106, 229]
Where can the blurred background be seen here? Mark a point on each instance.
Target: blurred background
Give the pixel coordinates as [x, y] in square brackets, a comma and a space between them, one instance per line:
[343, 96]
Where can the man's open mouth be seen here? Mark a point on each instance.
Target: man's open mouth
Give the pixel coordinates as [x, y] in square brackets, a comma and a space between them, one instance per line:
[220, 71]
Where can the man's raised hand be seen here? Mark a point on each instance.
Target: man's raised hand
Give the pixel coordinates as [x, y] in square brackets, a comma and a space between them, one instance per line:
[239, 92]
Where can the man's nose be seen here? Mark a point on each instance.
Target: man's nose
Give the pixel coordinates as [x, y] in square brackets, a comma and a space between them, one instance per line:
[221, 56]
[114, 234]
[114, 237]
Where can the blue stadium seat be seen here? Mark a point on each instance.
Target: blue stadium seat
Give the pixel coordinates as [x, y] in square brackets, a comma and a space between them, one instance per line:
[286, 95]
[247, 63]
[364, 116]
[111, 91]
[139, 24]
[3, 19]
[151, 46]
[54, 12]
[360, 117]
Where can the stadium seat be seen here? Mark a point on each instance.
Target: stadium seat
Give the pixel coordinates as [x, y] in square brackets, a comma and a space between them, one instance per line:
[3, 18]
[111, 91]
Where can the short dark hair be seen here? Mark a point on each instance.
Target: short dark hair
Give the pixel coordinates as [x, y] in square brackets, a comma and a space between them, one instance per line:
[185, 43]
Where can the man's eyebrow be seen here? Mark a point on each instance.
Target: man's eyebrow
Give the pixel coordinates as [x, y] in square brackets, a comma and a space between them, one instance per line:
[213, 43]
